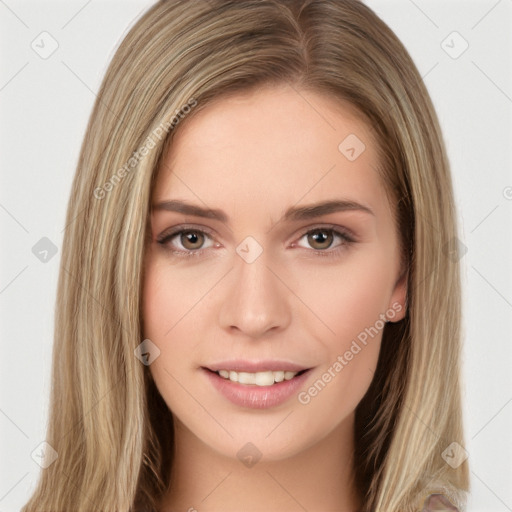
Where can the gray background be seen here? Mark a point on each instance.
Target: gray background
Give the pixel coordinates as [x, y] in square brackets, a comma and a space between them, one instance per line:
[44, 108]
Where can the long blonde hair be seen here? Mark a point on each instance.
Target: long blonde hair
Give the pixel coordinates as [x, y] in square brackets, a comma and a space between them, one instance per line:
[110, 427]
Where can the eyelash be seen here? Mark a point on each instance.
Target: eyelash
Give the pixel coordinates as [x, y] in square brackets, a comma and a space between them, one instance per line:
[346, 238]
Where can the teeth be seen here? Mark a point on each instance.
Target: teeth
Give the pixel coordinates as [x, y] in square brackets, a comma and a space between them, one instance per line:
[278, 376]
[259, 378]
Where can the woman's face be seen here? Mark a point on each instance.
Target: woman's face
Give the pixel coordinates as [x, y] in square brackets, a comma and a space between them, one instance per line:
[248, 273]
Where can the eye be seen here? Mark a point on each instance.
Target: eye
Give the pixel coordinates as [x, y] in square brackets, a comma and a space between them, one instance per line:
[322, 238]
[185, 242]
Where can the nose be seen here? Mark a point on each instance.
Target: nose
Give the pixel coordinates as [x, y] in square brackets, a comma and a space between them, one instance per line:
[256, 301]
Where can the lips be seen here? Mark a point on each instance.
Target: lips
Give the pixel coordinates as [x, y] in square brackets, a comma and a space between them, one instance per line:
[239, 365]
[256, 396]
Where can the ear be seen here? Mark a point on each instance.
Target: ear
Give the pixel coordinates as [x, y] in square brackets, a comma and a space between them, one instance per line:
[397, 307]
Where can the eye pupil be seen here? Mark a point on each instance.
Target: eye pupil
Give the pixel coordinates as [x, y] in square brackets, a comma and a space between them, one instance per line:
[191, 237]
[320, 237]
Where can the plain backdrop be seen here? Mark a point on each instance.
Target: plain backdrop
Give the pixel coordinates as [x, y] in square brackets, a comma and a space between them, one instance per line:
[463, 51]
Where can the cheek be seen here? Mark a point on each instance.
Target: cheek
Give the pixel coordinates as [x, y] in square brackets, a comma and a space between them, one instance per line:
[349, 302]
[176, 318]
[164, 312]
[159, 304]
[170, 295]
[167, 303]
[347, 299]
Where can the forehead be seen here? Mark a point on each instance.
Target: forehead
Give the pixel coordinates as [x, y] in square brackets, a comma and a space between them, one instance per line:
[273, 145]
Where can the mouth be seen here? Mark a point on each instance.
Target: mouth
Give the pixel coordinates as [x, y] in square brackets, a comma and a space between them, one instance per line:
[258, 389]
[263, 378]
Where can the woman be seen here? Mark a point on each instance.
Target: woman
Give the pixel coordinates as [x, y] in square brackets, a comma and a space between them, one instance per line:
[232, 143]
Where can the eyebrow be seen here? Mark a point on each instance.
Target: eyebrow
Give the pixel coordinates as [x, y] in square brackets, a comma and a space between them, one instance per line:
[299, 213]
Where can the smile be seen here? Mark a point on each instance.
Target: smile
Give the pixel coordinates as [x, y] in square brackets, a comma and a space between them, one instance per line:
[259, 390]
[265, 378]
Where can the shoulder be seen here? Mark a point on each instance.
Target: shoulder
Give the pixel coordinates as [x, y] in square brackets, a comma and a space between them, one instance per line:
[438, 503]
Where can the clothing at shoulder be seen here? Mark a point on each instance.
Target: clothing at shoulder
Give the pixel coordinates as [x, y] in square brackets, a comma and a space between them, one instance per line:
[438, 503]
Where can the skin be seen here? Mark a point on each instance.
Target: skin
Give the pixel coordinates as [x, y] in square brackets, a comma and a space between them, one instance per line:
[254, 155]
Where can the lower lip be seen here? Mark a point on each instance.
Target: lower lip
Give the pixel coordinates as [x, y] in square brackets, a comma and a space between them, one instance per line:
[257, 397]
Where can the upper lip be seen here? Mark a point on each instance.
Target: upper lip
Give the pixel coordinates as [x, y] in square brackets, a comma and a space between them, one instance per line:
[240, 365]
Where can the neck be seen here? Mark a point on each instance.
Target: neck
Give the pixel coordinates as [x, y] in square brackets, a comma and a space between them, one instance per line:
[317, 478]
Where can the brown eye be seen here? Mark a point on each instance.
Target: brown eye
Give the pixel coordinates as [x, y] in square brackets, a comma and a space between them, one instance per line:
[321, 241]
[186, 242]
[191, 239]
[320, 238]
